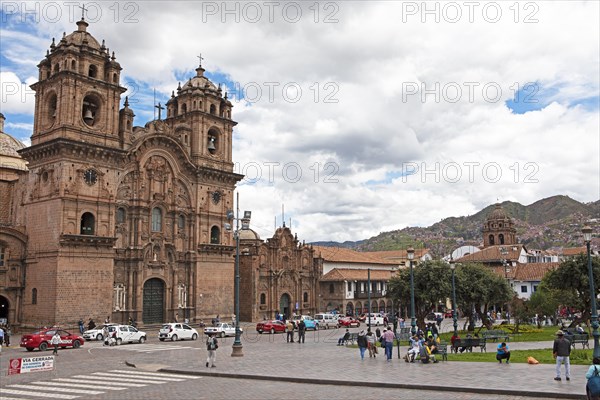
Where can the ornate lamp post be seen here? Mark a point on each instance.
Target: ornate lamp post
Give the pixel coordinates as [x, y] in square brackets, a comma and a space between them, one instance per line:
[413, 322]
[454, 316]
[369, 295]
[587, 237]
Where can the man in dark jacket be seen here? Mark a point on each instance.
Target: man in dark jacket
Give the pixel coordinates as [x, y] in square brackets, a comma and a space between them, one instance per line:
[561, 352]
[301, 331]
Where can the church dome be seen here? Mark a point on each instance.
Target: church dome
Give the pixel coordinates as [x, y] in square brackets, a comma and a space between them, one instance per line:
[199, 81]
[9, 145]
[498, 213]
[248, 234]
[80, 37]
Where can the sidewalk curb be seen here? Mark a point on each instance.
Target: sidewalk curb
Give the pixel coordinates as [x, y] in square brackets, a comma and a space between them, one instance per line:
[504, 392]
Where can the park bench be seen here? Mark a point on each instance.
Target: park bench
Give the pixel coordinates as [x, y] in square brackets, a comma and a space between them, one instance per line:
[403, 335]
[494, 335]
[468, 344]
[351, 339]
[579, 338]
[442, 349]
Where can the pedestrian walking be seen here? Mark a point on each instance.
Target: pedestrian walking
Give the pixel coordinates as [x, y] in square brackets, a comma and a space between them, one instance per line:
[289, 326]
[361, 340]
[7, 334]
[176, 317]
[1, 338]
[212, 344]
[371, 344]
[301, 331]
[55, 341]
[107, 320]
[561, 352]
[388, 337]
[81, 327]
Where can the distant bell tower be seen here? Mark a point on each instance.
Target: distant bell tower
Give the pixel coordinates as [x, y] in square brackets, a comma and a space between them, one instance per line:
[498, 228]
[78, 92]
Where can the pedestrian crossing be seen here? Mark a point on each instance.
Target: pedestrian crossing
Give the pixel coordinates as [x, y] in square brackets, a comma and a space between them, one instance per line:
[148, 348]
[87, 385]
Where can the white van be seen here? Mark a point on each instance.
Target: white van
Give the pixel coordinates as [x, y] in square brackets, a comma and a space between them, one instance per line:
[326, 321]
[376, 319]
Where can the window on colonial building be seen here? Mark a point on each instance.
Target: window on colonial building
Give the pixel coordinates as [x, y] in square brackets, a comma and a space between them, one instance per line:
[492, 240]
[331, 288]
[215, 235]
[349, 286]
[181, 296]
[2, 252]
[118, 297]
[120, 215]
[93, 71]
[305, 297]
[87, 224]
[263, 299]
[156, 219]
[535, 288]
[181, 223]
[501, 238]
[34, 296]
[523, 289]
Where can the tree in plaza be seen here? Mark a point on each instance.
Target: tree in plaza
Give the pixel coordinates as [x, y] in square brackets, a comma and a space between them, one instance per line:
[545, 301]
[432, 280]
[477, 289]
[571, 278]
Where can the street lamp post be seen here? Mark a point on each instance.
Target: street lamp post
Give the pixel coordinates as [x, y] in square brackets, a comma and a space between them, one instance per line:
[413, 322]
[454, 316]
[587, 237]
[369, 295]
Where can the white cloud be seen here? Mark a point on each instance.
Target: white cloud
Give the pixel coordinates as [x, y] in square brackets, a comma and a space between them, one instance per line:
[351, 151]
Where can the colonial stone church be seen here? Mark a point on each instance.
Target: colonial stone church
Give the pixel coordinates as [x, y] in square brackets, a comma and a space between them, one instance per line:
[112, 219]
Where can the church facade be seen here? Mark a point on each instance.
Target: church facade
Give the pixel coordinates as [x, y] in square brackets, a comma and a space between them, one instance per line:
[112, 219]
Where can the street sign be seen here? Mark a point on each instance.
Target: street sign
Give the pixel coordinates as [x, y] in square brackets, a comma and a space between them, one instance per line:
[30, 364]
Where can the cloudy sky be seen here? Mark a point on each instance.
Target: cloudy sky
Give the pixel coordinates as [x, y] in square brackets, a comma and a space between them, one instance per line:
[358, 117]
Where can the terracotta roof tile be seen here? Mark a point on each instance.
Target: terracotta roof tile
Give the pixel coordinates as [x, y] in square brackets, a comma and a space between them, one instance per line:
[493, 254]
[396, 254]
[346, 274]
[341, 254]
[573, 251]
[533, 271]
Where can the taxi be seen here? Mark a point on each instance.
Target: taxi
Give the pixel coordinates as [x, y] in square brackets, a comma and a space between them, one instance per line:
[41, 339]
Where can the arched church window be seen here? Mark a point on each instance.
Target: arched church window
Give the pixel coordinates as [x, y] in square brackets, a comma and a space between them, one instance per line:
[215, 235]
[90, 110]
[491, 237]
[34, 296]
[331, 288]
[501, 238]
[213, 141]
[263, 299]
[120, 215]
[93, 71]
[305, 297]
[115, 78]
[56, 68]
[213, 109]
[52, 105]
[73, 65]
[184, 108]
[87, 224]
[156, 219]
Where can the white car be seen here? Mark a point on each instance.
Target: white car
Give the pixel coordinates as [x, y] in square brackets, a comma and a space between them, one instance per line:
[97, 333]
[124, 334]
[177, 331]
[221, 329]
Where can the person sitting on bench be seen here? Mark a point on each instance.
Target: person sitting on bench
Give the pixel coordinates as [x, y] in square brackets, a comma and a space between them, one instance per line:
[344, 338]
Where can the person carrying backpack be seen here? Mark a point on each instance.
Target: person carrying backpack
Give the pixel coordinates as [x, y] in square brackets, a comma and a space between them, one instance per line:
[211, 346]
[592, 388]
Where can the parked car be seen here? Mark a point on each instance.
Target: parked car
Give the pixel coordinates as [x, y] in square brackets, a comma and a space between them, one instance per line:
[177, 331]
[326, 320]
[124, 334]
[273, 326]
[433, 316]
[309, 322]
[448, 314]
[375, 318]
[97, 333]
[348, 322]
[221, 329]
[42, 338]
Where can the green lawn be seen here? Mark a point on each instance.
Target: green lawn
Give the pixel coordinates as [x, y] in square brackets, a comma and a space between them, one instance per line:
[544, 356]
[527, 333]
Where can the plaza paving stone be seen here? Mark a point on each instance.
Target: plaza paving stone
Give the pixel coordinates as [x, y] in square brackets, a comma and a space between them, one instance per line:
[320, 360]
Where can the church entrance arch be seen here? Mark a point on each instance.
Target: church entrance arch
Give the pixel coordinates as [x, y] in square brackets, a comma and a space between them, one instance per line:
[153, 301]
[284, 305]
[4, 307]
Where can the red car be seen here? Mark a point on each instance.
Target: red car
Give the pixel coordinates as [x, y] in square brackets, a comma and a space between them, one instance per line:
[42, 338]
[348, 322]
[270, 326]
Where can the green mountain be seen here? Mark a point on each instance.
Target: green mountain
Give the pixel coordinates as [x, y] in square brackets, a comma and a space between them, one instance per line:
[552, 222]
